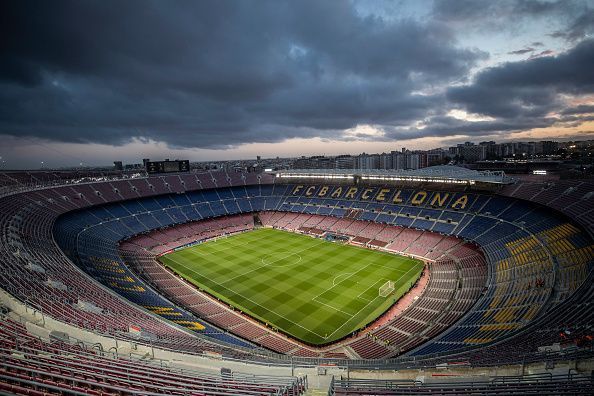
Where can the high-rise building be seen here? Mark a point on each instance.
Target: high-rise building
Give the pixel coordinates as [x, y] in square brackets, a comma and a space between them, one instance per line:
[409, 160]
[435, 157]
[470, 152]
[492, 150]
[344, 162]
[315, 162]
[423, 159]
[385, 161]
[397, 160]
[412, 161]
[454, 151]
[368, 161]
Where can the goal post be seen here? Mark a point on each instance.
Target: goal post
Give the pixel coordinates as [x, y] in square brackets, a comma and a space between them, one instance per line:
[386, 289]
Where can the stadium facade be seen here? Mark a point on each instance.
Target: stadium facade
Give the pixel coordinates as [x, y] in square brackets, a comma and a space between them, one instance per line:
[508, 280]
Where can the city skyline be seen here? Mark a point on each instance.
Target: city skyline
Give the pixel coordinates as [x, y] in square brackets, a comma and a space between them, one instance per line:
[494, 150]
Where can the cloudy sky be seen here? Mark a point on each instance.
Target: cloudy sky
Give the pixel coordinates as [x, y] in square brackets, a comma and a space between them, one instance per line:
[96, 81]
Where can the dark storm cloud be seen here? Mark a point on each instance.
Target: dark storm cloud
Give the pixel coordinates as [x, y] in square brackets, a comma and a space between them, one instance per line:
[581, 109]
[216, 73]
[516, 96]
[572, 20]
[522, 51]
[529, 88]
[445, 126]
[488, 14]
[541, 54]
[581, 26]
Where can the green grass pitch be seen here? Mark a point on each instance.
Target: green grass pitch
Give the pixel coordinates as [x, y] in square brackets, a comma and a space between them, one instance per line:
[311, 289]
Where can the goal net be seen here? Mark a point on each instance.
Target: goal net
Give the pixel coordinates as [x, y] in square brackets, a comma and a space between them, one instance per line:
[386, 289]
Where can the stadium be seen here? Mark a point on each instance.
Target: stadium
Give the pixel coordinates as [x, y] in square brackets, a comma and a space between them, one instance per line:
[441, 280]
[297, 197]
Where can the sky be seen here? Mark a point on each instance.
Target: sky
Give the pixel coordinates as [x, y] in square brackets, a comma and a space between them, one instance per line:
[91, 82]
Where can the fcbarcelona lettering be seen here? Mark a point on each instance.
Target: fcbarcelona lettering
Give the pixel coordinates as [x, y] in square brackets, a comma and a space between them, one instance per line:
[387, 195]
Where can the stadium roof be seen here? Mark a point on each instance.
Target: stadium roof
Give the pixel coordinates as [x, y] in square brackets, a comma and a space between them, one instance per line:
[437, 174]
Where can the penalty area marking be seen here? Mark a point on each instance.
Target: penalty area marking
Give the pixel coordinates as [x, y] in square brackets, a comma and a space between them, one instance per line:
[365, 291]
[338, 276]
[365, 307]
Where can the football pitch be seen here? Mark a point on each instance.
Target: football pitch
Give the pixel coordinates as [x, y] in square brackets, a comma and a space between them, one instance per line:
[311, 289]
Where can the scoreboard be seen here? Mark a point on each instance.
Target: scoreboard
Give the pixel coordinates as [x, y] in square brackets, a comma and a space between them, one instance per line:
[167, 166]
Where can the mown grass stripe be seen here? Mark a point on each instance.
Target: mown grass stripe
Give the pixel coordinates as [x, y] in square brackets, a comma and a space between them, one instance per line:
[290, 280]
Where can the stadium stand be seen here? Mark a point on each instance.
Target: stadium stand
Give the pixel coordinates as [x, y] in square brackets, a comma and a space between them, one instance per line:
[33, 367]
[509, 277]
[411, 241]
[506, 385]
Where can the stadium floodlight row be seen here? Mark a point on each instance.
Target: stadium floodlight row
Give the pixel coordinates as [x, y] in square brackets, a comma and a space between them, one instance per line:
[442, 174]
[508, 273]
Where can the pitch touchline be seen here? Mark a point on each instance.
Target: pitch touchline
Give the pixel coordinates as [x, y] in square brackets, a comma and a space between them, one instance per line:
[333, 285]
[362, 309]
[334, 308]
[249, 299]
[215, 251]
[273, 312]
[220, 250]
[359, 296]
[386, 267]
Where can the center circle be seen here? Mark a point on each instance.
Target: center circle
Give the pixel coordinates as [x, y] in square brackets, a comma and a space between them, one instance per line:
[281, 259]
